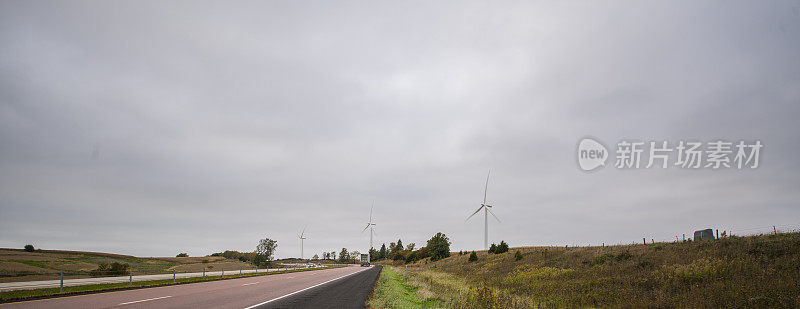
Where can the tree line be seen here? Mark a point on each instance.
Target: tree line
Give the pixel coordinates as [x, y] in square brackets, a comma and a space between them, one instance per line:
[436, 248]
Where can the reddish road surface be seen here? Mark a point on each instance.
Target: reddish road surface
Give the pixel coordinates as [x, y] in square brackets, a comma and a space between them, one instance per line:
[235, 293]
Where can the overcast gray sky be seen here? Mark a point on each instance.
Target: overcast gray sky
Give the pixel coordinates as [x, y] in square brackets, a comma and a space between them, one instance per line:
[152, 128]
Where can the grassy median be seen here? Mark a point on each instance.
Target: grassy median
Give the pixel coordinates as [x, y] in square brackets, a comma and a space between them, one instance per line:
[11, 296]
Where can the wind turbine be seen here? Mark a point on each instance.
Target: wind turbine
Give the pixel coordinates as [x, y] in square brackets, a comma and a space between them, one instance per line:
[371, 227]
[302, 237]
[486, 212]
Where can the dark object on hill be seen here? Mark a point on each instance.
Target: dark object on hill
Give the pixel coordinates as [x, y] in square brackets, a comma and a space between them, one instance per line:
[493, 248]
[182, 255]
[473, 257]
[29, 248]
[707, 234]
[105, 270]
[517, 256]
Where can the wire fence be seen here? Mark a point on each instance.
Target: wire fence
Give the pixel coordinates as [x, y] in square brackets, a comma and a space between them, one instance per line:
[718, 233]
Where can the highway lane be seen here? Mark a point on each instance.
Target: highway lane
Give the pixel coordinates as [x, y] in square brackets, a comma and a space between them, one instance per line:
[29, 285]
[234, 293]
[350, 292]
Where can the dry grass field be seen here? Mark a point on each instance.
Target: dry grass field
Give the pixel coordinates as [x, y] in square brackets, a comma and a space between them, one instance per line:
[734, 272]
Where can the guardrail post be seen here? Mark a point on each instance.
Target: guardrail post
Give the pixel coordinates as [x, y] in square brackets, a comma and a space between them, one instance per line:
[61, 288]
[223, 273]
[204, 274]
[130, 277]
[240, 271]
[173, 276]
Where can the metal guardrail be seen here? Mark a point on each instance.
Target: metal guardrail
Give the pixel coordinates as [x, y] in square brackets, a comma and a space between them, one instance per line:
[63, 279]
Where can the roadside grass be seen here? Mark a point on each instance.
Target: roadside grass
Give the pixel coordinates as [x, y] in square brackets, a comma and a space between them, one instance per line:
[19, 295]
[392, 291]
[733, 272]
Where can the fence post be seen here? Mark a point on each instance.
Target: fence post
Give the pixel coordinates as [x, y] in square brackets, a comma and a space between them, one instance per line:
[774, 230]
[61, 288]
[204, 274]
[130, 277]
[173, 275]
[240, 271]
[644, 241]
[223, 273]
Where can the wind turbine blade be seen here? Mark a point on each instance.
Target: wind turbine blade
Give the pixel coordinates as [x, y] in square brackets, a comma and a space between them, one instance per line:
[485, 189]
[303, 233]
[490, 211]
[370, 211]
[470, 216]
[365, 228]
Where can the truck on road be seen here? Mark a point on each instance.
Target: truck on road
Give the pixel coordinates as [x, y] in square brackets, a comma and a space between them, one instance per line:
[364, 260]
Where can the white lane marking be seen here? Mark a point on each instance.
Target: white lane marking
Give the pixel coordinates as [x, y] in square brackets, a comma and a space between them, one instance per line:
[251, 283]
[291, 277]
[143, 300]
[298, 291]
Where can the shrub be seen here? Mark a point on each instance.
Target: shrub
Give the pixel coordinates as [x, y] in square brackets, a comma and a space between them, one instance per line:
[517, 256]
[182, 255]
[473, 257]
[502, 248]
[493, 248]
[29, 248]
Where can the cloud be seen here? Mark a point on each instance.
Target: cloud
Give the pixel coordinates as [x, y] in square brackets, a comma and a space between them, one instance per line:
[155, 128]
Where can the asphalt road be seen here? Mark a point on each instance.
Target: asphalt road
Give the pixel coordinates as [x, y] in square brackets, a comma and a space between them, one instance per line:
[350, 292]
[345, 287]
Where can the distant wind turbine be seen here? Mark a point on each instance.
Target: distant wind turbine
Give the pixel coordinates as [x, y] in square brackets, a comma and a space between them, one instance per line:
[371, 227]
[302, 237]
[486, 212]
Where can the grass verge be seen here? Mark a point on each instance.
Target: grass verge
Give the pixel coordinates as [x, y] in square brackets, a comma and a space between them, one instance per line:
[20, 295]
[392, 291]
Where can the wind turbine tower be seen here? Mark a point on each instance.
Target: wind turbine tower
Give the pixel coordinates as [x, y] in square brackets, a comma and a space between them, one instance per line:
[371, 227]
[486, 211]
[302, 237]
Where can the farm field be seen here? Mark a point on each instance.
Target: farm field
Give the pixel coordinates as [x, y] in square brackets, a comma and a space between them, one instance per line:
[20, 265]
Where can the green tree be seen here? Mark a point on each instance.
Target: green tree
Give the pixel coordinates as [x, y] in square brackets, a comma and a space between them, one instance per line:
[29, 248]
[315, 257]
[411, 257]
[264, 251]
[399, 245]
[410, 247]
[383, 252]
[493, 248]
[182, 255]
[517, 256]
[473, 257]
[344, 257]
[439, 246]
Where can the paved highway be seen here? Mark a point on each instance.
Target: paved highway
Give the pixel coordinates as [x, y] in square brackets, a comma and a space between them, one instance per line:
[345, 287]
